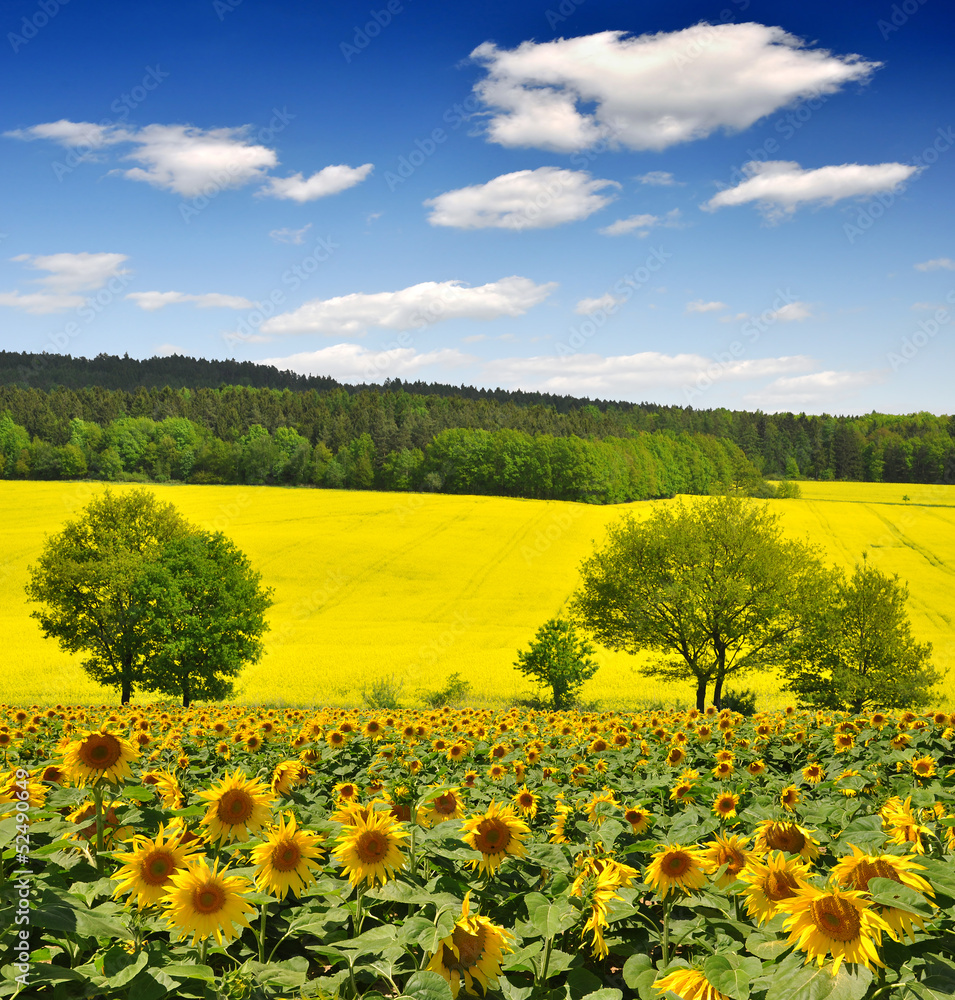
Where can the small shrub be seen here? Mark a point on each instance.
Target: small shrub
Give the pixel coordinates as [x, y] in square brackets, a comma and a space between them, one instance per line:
[455, 690]
[383, 693]
[743, 701]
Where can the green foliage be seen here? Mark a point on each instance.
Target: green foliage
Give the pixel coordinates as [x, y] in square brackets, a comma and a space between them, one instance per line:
[742, 700]
[454, 691]
[383, 693]
[859, 653]
[560, 659]
[152, 601]
[713, 588]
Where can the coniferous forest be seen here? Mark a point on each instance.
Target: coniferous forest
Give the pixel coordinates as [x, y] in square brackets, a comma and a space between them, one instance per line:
[178, 418]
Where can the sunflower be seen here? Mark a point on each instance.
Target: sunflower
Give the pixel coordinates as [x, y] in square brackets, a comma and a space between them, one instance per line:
[370, 849]
[770, 882]
[600, 806]
[676, 756]
[558, 830]
[813, 773]
[923, 767]
[789, 797]
[113, 831]
[287, 775]
[638, 818]
[724, 805]
[785, 836]
[597, 883]
[901, 824]
[681, 793]
[723, 770]
[675, 866]
[447, 805]
[148, 867]
[14, 790]
[495, 834]
[473, 951]
[238, 806]
[756, 767]
[286, 859]
[205, 902]
[833, 921]
[689, 984]
[856, 871]
[731, 851]
[526, 802]
[167, 784]
[99, 755]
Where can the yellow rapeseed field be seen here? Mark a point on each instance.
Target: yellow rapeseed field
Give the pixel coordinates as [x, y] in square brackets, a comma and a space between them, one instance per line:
[411, 587]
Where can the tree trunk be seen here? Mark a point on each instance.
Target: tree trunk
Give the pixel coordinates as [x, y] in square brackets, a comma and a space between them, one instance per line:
[718, 690]
[185, 692]
[701, 694]
[127, 692]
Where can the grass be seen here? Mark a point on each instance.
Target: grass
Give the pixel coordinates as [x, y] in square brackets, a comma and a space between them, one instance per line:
[375, 587]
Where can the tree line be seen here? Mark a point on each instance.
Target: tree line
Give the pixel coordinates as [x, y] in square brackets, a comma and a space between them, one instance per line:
[45, 393]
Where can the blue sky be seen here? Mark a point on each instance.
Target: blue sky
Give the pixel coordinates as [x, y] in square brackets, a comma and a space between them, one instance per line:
[743, 204]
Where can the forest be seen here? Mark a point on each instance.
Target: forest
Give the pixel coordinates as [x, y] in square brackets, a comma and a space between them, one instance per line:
[203, 421]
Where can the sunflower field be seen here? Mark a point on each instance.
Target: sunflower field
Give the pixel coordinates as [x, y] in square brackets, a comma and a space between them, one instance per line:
[153, 851]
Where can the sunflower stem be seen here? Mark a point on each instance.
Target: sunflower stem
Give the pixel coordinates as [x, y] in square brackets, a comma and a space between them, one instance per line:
[359, 909]
[546, 962]
[100, 825]
[665, 941]
[262, 916]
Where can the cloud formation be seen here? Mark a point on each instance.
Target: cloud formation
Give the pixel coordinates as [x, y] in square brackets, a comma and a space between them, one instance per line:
[525, 199]
[328, 181]
[354, 363]
[699, 306]
[151, 301]
[586, 307]
[818, 388]
[641, 224]
[651, 91]
[411, 308]
[191, 161]
[938, 264]
[779, 187]
[68, 275]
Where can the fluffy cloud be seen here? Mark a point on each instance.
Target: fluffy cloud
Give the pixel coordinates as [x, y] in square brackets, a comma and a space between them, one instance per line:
[151, 301]
[328, 181]
[354, 363]
[651, 91]
[662, 178]
[829, 388]
[938, 264]
[191, 161]
[586, 307]
[779, 187]
[699, 306]
[594, 374]
[525, 199]
[641, 224]
[68, 276]
[411, 308]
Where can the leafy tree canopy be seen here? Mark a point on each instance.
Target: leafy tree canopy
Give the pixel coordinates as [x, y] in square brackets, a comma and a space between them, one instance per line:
[713, 588]
[558, 658]
[151, 600]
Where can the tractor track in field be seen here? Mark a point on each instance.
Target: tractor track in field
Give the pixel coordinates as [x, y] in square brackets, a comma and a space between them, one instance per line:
[897, 533]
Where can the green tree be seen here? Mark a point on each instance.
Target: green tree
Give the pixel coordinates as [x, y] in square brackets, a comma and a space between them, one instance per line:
[558, 658]
[209, 619]
[860, 653]
[713, 588]
[113, 584]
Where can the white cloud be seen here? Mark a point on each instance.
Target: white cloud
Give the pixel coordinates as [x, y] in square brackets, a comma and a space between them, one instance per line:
[820, 388]
[167, 350]
[606, 303]
[72, 134]
[354, 363]
[328, 181]
[296, 236]
[662, 178]
[595, 374]
[151, 301]
[411, 308]
[192, 161]
[938, 264]
[779, 187]
[641, 224]
[68, 276]
[699, 306]
[651, 91]
[793, 312]
[526, 199]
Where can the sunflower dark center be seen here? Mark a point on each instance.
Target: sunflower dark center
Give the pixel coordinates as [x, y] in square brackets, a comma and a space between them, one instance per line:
[286, 856]
[836, 918]
[371, 847]
[208, 898]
